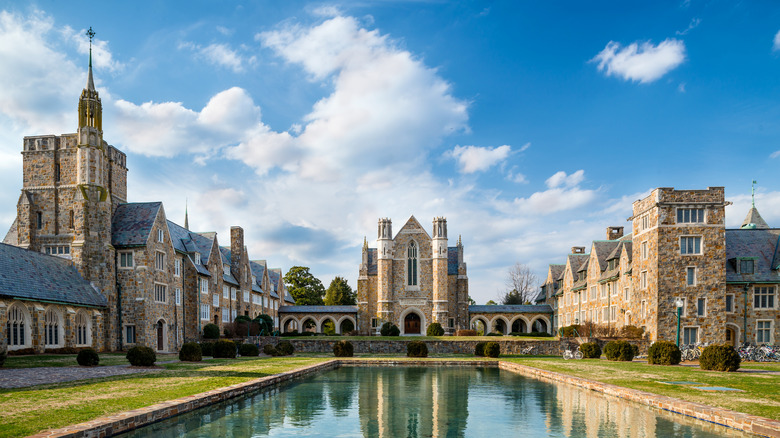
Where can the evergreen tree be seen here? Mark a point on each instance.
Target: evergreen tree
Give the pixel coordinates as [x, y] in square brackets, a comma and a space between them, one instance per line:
[339, 293]
[305, 288]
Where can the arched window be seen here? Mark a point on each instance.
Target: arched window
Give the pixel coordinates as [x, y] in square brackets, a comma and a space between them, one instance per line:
[17, 327]
[411, 264]
[82, 329]
[52, 328]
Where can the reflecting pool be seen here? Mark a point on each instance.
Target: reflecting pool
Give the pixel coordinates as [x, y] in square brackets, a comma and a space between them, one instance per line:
[436, 401]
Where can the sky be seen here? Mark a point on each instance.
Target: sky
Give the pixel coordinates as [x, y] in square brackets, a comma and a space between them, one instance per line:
[531, 126]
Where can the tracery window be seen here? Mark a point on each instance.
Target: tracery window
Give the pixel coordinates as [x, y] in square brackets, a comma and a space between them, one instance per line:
[52, 328]
[16, 327]
[411, 264]
[82, 333]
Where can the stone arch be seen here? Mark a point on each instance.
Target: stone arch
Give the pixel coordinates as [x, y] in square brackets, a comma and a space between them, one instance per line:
[735, 328]
[53, 328]
[19, 327]
[83, 329]
[483, 320]
[323, 320]
[339, 327]
[305, 321]
[285, 320]
[160, 339]
[503, 320]
[405, 313]
[627, 318]
[543, 319]
[520, 318]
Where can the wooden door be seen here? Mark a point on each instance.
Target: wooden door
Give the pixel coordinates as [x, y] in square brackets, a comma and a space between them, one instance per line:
[412, 324]
[159, 335]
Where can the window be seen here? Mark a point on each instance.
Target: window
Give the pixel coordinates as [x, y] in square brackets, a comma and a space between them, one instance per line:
[626, 294]
[255, 299]
[451, 323]
[225, 291]
[613, 313]
[178, 296]
[645, 222]
[197, 258]
[603, 291]
[690, 215]
[593, 293]
[643, 308]
[643, 280]
[160, 293]
[129, 334]
[57, 172]
[177, 267]
[160, 235]
[204, 285]
[82, 329]
[234, 314]
[254, 279]
[225, 315]
[71, 220]
[701, 307]
[58, 250]
[226, 269]
[125, 260]
[764, 297]
[246, 296]
[233, 293]
[575, 298]
[684, 307]
[605, 314]
[763, 332]
[644, 250]
[690, 335]
[613, 289]
[690, 245]
[373, 323]
[746, 266]
[205, 312]
[690, 276]
[51, 329]
[39, 220]
[159, 261]
[215, 300]
[411, 264]
[729, 303]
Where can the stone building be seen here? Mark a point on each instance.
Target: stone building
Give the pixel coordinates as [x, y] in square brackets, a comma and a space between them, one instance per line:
[86, 268]
[679, 252]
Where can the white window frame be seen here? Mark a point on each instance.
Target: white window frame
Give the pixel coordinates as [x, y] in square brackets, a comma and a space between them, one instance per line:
[205, 312]
[645, 219]
[197, 258]
[232, 293]
[160, 235]
[177, 267]
[700, 215]
[204, 285]
[178, 296]
[124, 257]
[643, 280]
[684, 248]
[770, 330]
[575, 298]
[225, 315]
[246, 296]
[626, 294]
[594, 293]
[643, 250]
[129, 329]
[159, 261]
[604, 293]
[225, 291]
[643, 308]
[613, 313]
[605, 313]
[769, 297]
[160, 293]
[733, 303]
[688, 271]
[701, 313]
[683, 333]
[215, 300]
[226, 269]
[612, 289]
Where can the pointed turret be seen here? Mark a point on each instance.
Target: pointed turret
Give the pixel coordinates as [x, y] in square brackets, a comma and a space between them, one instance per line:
[90, 82]
[186, 217]
[753, 220]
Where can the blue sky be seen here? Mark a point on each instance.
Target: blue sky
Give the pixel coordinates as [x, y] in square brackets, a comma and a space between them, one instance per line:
[532, 126]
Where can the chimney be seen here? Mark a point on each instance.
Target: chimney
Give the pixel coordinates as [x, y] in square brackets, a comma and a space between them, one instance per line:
[578, 250]
[236, 252]
[614, 233]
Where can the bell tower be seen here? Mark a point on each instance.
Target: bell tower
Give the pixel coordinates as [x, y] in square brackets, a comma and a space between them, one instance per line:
[439, 256]
[91, 156]
[385, 270]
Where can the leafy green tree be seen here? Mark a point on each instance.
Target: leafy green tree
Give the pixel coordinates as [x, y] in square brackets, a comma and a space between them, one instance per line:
[471, 301]
[339, 293]
[305, 288]
[512, 297]
[491, 303]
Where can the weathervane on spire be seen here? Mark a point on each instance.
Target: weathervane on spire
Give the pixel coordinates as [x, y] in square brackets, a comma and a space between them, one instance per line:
[753, 192]
[90, 34]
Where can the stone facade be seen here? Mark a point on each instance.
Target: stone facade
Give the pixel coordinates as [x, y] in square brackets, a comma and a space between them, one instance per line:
[679, 251]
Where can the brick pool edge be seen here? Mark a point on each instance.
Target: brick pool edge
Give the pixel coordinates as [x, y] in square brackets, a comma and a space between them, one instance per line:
[129, 420]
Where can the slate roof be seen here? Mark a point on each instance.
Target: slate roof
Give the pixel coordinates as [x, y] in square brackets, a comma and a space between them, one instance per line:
[575, 261]
[515, 308]
[30, 275]
[133, 222]
[275, 277]
[257, 270]
[556, 271]
[372, 261]
[759, 243]
[188, 242]
[318, 309]
[12, 237]
[603, 249]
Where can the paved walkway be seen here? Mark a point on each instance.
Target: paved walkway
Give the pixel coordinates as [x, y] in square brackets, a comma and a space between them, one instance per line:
[22, 377]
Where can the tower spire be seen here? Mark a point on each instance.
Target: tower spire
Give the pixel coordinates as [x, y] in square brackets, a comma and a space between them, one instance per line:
[186, 216]
[753, 192]
[90, 82]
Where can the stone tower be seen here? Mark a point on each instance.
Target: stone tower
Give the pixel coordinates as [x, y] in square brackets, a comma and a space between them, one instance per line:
[439, 256]
[385, 294]
[679, 244]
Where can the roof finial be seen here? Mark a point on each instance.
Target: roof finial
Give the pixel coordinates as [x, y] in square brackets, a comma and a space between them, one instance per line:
[753, 190]
[186, 216]
[90, 82]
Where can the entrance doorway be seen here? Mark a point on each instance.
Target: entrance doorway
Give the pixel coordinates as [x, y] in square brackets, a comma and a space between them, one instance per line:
[412, 324]
[160, 335]
[731, 336]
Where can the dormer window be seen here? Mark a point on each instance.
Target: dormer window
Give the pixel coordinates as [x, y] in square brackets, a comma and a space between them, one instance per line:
[254, 279]
[226, 269]
[611, 264]
[746, 266]
[197, 258]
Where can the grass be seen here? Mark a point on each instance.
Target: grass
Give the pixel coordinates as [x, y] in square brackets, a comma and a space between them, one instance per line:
[425, 338]
[761, 396]
[67, 360]
[76, 402]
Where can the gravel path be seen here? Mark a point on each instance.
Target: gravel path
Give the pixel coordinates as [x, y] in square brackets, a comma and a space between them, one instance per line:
[22, 377]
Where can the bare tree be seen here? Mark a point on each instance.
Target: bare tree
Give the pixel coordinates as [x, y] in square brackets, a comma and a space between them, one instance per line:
[522, 285]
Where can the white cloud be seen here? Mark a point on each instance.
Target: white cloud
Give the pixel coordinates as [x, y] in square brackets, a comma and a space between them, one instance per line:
[774, 154]
[525, 147]
[776, 42]
[643, 62]
[102, 58]
[222, 55]
[693, 25]
[561, 179]
[478, 159]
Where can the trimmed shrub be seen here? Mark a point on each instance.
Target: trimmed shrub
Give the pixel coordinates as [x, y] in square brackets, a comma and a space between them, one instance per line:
[270, 350]
[435, 329]
[479, 349]
[664, 353]
[88, 358]
[290, 333]
[224, 349]
[343, 349]
[228, 330]
[285, 348]
[416, 349]
[141, 356]
[246, 350]
[389, 329]
[492, 349]
[632, 332]
[211, 331]
[495, 334]
[190, 352]
[207, 349]
[719, 358]
[21, 352]
[570, 331]
[590, 350]
[620, 351]
[466, 333]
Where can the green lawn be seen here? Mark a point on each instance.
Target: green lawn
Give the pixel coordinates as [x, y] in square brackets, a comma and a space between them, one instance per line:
[76, 402]
[761, 396]
[67, 360]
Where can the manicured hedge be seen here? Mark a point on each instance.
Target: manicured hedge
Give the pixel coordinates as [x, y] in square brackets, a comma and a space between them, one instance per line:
[141, 356]
[495, 334]
[285, 348]
[416, 349]
[479, 349]
[343, 349]
[270, 350]
[224, 349]
[207, 349]
[590, 350]
[466, 333]
[248, 350]
[719, 358]
[435, 329]
[211, 331]
[88, 358]
[389, 329]
[620, 351]
[492, 349]
[664, 353]
[190, 352]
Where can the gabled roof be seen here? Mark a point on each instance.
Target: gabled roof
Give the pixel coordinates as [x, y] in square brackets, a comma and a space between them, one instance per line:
[12, 237]
[556, 271]
[257, 270]
[603, 249]
[759, 244]
[755, 219]
[275, 277]
[412, 223]
[584, 265]
[132, 223]
[188, 242]
[30, 275]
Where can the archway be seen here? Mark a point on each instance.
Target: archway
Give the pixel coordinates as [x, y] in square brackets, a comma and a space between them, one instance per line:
[480, 325]
[412, 324]
[519, 326]
[732, 334]
[540, 325]
[289, 324]
[346, 325]
[309, 326]
[328, 326]
[499, 325]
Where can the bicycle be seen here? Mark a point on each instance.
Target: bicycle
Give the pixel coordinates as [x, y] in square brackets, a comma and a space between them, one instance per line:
[528, 350]
[568, 354]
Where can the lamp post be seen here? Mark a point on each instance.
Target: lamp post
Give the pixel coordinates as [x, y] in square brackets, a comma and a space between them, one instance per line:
[679, 303]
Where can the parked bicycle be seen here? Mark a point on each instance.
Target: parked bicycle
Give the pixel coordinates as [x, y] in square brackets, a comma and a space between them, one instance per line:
[572, 354]
[528, 350]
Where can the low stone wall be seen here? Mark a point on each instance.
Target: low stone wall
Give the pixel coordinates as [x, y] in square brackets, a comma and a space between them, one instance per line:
[508, 346]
